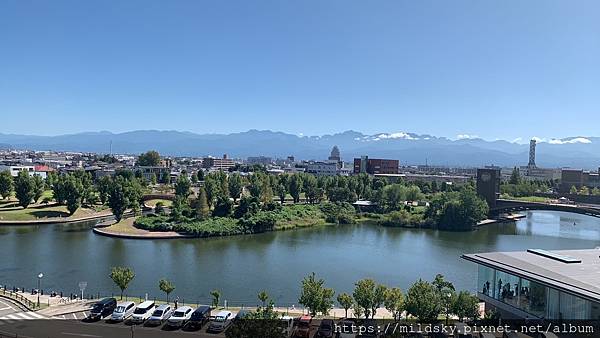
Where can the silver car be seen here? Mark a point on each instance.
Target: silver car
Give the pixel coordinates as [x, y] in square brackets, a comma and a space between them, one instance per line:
[180, 316]
[123, 311]
[162, 313]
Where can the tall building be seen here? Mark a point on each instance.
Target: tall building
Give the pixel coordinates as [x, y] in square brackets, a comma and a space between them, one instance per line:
[218, 163]
[532, 145]
[335, 155]
[375, 166]
[488, 184]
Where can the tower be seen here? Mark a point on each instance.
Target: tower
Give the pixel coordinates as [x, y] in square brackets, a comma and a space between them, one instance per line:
[532, 145]
[335, 154]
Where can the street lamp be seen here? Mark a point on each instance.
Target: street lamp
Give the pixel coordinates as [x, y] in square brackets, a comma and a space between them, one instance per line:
[39, 287]
[449, 295]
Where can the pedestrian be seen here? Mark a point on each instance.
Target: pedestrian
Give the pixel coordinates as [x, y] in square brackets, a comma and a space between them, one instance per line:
[176, 301]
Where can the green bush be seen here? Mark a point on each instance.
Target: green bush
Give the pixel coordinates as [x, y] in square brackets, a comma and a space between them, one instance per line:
[401, 218]
[340, 213]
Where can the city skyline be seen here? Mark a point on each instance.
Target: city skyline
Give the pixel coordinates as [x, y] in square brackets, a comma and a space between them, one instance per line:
[494, 70]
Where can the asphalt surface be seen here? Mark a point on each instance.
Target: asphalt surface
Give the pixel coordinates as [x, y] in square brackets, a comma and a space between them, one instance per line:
[55, 328]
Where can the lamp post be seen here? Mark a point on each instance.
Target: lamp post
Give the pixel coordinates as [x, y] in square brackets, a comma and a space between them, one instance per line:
[449, 295]
[39, 287]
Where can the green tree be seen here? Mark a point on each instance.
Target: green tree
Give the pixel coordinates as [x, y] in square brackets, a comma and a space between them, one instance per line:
[515, 176]
[182, 187]
[24, 188]
[103, 188]
[584, 190]
[216, 296]
[281, 192]
[394, 302]
[346, 302]
[364, 296]
[73, 190]
[6, 184]
[573, 190]
[194, 178]
[122, 276]
[466, 305]
[212, 189]
[153, 179]
[595, 191]
[446, 294]
[202, 208]
[315, 296]
[264, 323]
[166, 286]
[295, 187]
[236, 185]
[422, 301]
[39, 186]
[263, 296]
[124, 194]
[149, 159]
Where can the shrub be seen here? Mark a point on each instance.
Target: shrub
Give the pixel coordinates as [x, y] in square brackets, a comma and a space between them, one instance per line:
[340, 213]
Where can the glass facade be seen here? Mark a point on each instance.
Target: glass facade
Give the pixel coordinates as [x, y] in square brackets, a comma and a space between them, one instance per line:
[534, 298]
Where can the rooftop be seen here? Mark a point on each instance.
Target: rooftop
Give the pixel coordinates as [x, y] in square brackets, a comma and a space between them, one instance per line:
[576, 271]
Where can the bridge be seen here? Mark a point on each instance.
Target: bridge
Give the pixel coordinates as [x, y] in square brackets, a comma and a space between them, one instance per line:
[507, 205]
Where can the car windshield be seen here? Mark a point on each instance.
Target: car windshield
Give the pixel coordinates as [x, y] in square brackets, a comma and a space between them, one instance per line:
[179, 314]
[140, 311]
[303, 324]
[120, 309]
[219, 319]
[157, 313]
[326, 326]
[97, 307]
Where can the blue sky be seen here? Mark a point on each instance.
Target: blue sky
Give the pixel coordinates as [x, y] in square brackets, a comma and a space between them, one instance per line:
[496, 69]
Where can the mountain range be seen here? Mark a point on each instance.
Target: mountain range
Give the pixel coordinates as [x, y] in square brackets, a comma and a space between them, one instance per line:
[409, 148]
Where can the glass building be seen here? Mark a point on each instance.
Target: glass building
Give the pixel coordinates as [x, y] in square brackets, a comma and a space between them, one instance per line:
[540, 284]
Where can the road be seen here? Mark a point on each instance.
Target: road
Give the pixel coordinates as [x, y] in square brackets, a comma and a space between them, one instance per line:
[14, 321]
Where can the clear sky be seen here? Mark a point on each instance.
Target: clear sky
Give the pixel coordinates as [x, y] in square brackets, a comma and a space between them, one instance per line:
[496, 69]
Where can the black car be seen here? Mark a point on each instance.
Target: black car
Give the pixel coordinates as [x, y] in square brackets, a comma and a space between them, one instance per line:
[325, 329]
[241, 314]
[199, 317]
[103, 308]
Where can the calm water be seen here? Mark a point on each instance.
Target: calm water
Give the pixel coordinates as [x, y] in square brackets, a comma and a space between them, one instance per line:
[242, 266]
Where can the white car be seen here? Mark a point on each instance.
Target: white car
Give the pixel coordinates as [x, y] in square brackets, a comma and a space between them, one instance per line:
[162, 313]
[143, 312]
[123, 311]
[180, 316]
[220, 321]
[287, 325]
[346, 328]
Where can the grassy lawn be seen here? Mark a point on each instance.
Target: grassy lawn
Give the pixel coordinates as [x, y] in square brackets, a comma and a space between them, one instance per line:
[125, 226]
[536, 199]
[152, 203]
[41, 212]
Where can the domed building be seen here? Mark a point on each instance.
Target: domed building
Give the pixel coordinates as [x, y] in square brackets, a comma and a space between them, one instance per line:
[335, 154]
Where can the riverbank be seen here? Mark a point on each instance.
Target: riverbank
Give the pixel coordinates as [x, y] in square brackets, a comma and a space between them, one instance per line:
[126, 229]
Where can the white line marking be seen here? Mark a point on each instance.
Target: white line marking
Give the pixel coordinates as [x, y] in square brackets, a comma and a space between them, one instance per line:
[74, 316]
[36, 315]
[79, 334]
[13, 317]
[6, 308]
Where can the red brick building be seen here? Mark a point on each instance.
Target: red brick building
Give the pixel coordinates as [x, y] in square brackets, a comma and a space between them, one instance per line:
[375, 166]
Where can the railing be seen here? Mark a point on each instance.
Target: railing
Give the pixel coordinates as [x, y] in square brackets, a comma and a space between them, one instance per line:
[19, 298]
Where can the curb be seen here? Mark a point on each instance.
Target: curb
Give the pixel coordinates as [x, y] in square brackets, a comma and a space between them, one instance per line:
[101, 232]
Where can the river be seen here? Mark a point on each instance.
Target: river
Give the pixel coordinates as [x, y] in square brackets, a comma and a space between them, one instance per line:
[242, 266]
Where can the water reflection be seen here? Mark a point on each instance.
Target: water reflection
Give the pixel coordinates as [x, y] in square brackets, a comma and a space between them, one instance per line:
[241, 266]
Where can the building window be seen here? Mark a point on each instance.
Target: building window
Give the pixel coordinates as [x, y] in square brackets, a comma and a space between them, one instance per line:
[507, 288]
[534, 297]
[486, 281]
[573, 307]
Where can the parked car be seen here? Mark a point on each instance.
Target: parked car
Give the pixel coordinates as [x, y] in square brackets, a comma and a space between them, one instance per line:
[160, 314]
[346, 329]
[199, 317]
[241, 314]
[143, 312]
[123, 311]
[103, 308]
[303, 329]
[288, 325]
[220, 322]
[325, 329]
[180, 317]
